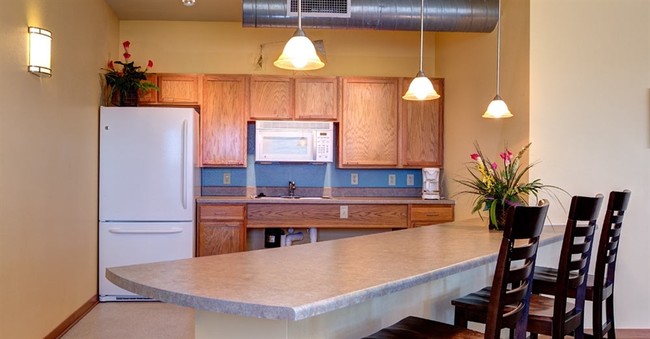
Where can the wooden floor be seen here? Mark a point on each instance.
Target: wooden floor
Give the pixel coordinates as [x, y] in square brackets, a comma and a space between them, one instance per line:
[143, 320]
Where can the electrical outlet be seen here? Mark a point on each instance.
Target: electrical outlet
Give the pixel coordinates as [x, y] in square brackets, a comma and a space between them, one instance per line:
[226, 178]
[410, 180]
[391, 180]
[354, 178]
[343, 212]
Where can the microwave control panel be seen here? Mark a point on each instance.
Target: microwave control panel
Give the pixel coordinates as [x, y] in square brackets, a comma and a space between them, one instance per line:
[324, 145]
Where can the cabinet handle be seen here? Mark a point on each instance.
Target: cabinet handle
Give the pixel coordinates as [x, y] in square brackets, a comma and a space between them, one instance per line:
[146, 231]
[433, 214]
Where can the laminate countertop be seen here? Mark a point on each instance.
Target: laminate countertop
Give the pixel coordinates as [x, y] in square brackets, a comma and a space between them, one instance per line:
[321, 200]
[303, 281]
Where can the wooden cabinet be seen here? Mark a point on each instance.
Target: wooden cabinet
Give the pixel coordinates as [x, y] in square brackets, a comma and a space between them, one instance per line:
[173, 89]
[316, 98]
[271, 97]
[421, 134]
[223, 121]
[300, 98]
[221, 229]
[423, 215]
[368, 131]
[327, 216]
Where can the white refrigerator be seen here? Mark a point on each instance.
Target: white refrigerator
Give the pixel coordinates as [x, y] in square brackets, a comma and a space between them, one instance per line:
[149, 177]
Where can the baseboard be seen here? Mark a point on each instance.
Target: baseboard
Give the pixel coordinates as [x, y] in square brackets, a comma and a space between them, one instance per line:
[633, 333]
[67, 324]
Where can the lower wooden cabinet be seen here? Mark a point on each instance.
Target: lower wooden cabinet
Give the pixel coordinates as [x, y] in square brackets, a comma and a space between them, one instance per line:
[423, 215]
[220, 229]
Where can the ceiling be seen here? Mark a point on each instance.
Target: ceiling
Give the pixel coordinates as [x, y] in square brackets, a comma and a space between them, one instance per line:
[174, 10]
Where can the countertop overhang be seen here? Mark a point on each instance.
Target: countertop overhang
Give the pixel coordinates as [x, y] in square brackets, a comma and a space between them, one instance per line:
[302, 281]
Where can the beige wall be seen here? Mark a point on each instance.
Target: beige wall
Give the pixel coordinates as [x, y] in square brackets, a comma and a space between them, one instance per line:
[467, 61]
[589, 120]
[226, 47]
[48, 166]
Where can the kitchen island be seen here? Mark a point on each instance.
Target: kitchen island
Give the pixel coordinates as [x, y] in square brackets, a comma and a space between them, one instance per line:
[343, 288]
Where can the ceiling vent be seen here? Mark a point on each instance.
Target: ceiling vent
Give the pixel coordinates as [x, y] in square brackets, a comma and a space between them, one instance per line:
[320, 8]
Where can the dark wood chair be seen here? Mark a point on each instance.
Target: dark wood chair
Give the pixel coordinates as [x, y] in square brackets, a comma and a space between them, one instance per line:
[508, 302]
[557, 316]
[600, 285]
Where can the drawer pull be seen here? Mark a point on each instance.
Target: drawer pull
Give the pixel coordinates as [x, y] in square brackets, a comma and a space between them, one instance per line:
[433, 214]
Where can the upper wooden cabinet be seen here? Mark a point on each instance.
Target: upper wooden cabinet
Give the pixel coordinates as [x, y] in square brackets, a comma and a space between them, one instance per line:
[286, 98]
[223, 120]
[173, 89]
[271, 97]
[421, 134]
[316, 98]
[368, 131]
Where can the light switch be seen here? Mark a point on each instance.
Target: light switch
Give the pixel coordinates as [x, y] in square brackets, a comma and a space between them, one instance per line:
[226, 178]
[391, 180]
[410, 180]
[343, 212]
[354, 178]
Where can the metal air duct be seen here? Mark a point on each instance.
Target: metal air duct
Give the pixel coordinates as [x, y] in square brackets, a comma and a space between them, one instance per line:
[391, 15]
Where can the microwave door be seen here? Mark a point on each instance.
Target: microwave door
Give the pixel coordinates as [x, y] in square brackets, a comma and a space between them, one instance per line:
[285, 146]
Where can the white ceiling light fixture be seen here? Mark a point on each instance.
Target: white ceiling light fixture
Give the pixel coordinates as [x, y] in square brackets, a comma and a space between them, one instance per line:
[498, 109]
[421, 87]
[188, 3]
[40, 52]
[299, 53]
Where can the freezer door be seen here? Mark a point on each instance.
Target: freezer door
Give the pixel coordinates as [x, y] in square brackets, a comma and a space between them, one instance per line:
[122, 244]
[146, 165]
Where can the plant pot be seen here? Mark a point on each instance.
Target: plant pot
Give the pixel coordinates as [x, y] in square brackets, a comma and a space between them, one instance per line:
[501, 216]
[129, 98]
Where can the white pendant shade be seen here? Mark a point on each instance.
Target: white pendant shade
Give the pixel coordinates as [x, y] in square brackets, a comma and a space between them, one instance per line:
[299, 54]
[421, 88]
[497, 109]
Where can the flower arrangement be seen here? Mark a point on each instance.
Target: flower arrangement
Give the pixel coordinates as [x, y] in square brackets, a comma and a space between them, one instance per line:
[128, 80]
[497, 188]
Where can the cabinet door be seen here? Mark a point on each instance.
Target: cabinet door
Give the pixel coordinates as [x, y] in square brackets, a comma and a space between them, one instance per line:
[178, 89]
[223, 121]
[368, 126]
[150, 96]
[271, 98]
[220, 237]
[423, 215]
[421, 138]
[316, 98]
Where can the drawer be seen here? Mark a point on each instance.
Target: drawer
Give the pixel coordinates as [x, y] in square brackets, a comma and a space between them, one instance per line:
[431, 214]
[221, 212]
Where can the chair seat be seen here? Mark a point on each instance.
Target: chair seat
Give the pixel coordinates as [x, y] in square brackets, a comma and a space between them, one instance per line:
[419, 328]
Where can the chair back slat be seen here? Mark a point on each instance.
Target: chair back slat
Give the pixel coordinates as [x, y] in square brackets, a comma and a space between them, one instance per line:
[575, 256]
[511, 285]
[609, 238]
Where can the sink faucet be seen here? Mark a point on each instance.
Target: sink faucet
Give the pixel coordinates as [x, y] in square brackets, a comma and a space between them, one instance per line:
[292, 188]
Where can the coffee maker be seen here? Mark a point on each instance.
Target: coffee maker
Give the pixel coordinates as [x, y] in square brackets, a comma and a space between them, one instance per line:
[431, 183]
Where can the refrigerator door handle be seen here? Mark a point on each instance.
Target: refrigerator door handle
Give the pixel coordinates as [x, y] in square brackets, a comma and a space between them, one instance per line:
[171, 230]
[185, 164]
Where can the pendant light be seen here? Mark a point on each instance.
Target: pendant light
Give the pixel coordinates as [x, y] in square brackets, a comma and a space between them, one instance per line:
[421, 87]
[497, 108]
[299, 53]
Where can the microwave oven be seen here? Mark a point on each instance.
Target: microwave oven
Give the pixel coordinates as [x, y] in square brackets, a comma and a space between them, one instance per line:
[294, 141]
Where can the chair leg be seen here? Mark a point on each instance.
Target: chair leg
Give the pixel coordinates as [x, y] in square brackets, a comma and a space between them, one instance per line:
[460, 319]
[597, 322]
[609, 304]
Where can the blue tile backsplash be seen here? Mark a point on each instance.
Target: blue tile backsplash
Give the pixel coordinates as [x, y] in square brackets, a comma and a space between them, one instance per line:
[305, 175]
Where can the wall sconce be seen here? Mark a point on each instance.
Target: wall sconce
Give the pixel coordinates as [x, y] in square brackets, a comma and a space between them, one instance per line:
[40, 51]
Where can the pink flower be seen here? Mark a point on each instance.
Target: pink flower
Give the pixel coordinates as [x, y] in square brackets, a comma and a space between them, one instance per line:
[150, 64]
[126, 56]
[126, 44]
[506, 156]
[475, 156]
[494, 165]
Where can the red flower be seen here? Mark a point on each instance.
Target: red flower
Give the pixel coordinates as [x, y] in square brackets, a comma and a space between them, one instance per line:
[150, 64]
[494, 165]
[126, 44]
[110, 65]
[126, 56]
[474, 156]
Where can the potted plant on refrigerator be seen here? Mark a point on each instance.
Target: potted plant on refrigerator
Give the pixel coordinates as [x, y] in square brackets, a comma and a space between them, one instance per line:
[125, 83]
